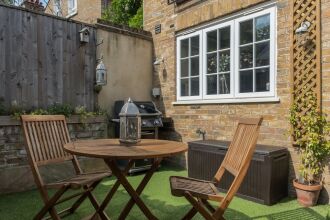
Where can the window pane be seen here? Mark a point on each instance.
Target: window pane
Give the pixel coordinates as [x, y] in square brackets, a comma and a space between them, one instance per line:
[184, 48]
[212, 63]
[262, 25]
[262, 54]
[184, 67]
[212, 84]
[224, 61]
[184, 87]
[224, 83]
[246, 32]
[194, 46]
[262, 80]
[246, 81]
[194, 68]
[194, 86]
[211, 41]
[246, 57]
[224, 38]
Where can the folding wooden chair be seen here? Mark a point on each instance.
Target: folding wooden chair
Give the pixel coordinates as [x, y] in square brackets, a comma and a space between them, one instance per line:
[45, 137]
[236, 161]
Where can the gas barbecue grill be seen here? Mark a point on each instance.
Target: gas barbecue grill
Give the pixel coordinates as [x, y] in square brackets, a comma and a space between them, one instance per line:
[150, 122]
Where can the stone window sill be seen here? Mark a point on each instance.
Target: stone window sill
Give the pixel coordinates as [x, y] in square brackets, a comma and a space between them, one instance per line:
[228, 101]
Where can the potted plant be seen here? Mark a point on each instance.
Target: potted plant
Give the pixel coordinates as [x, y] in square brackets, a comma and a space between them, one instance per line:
[310, 132]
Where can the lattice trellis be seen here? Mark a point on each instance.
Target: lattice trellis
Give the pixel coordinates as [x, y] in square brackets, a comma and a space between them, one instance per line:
[306, 58]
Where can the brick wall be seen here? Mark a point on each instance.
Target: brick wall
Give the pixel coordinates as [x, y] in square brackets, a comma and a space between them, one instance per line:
[15, 173]
[88, 11]
[219, 119]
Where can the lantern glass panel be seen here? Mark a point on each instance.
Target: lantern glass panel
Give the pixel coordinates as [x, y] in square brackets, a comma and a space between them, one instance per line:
[123, 128]
[132, 128]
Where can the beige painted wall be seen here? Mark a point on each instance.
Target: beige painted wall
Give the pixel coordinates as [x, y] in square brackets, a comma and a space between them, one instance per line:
[128, 60]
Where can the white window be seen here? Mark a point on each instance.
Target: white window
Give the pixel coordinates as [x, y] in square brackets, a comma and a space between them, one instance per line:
[57, 8]
[72, 7]
[231, 60]
[189, 67]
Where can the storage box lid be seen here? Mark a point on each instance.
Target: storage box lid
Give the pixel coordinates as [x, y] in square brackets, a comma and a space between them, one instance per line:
[260, 149]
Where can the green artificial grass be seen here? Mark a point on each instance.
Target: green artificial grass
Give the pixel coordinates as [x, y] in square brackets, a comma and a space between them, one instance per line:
[157, 196]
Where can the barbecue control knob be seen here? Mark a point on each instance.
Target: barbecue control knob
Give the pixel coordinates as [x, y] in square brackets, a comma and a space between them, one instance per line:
[156, 122]
[144, 123]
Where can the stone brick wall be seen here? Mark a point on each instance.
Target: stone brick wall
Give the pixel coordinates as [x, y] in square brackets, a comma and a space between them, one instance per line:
[88, 11]
[15, 172]
[219, 120]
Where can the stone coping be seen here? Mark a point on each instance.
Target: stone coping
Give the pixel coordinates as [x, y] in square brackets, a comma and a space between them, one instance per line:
[74, 119]
[122, 29]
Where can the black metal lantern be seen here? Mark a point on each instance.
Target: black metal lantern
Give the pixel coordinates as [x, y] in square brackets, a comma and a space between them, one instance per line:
[130, 123]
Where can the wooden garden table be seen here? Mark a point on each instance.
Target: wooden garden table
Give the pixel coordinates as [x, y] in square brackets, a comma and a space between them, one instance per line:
[111, 150]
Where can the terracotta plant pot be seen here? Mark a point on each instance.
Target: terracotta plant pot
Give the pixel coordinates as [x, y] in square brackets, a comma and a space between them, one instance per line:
[307, 195]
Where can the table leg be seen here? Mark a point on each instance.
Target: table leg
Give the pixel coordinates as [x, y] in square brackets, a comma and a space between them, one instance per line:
[113, 190]
[140, 188]
[128, 187]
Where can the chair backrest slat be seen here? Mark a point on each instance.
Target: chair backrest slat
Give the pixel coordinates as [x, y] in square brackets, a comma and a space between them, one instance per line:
[45, 136]
[244, 138]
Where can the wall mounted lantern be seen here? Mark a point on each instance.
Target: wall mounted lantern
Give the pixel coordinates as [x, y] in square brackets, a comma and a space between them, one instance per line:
[302, 33]
[101, 74]
[158, 61]
[130, 123]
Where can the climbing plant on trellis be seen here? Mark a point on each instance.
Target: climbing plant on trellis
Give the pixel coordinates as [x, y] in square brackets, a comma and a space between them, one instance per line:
[306, 65]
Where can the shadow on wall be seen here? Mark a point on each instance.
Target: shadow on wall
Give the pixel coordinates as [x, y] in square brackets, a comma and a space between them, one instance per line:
[292, 175]
[324, 198]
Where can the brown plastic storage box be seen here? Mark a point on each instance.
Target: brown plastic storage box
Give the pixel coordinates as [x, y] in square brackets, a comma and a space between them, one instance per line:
[266, 181]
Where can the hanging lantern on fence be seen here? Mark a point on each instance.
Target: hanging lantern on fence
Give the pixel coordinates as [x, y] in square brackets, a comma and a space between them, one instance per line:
[130, 123]
[101, 74]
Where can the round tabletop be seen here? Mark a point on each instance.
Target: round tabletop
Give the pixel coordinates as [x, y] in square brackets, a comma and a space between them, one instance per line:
[113, 149]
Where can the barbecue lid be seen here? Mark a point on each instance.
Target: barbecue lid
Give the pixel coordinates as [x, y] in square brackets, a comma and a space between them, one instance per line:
[146, 108]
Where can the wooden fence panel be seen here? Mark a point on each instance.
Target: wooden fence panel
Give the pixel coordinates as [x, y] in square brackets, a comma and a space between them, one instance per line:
[42, 61]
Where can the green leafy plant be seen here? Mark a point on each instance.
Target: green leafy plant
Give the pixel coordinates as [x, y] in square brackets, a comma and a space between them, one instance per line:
[310, 132]
[60, 109]
[137, 20]
[2, 107]
[56, 109]
[124, 12]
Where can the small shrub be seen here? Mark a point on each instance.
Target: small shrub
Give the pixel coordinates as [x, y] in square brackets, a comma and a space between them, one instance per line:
[60, 109]
[2, 107]
[310, 131]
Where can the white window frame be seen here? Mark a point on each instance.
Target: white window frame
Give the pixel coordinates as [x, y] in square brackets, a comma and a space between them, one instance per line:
[204, 73]
[72, 11]
[272, 51]
[234, 96]
[58, 7]
[178, 79]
